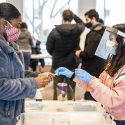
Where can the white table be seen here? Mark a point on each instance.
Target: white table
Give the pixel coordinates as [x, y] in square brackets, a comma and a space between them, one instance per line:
[37, 56]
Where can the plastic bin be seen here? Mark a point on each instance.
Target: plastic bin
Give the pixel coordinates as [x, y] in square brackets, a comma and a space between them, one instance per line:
[65, 113]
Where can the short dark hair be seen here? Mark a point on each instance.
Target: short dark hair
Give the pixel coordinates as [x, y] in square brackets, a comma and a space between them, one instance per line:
[67, 15]
[8, 11]
[23, 25]
[101, 21]
[92, 13]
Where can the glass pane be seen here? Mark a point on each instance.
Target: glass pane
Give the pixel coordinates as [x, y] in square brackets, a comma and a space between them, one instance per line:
[42, 15]
[1, 1]
[100, 8]
[112, 11]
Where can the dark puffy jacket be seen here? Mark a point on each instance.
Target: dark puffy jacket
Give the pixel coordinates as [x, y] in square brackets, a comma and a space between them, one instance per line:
[91, 63]
[62, 43]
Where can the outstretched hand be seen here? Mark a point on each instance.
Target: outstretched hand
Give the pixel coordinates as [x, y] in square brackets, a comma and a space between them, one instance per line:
[64, 71]
[83, 75]
[44, 79]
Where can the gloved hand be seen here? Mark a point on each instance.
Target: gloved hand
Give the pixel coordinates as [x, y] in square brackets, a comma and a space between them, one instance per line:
[64, 71]
[83, 75]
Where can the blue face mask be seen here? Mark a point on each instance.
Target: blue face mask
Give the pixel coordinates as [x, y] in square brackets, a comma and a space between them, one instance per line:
[111, 47]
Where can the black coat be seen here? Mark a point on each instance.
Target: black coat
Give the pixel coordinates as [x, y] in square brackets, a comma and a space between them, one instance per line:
[91, 63]
[62, 43]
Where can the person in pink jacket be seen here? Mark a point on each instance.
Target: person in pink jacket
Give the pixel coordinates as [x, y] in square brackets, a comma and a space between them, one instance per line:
[109, 88]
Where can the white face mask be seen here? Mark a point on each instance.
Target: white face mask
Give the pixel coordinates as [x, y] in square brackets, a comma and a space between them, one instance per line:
[111, 47]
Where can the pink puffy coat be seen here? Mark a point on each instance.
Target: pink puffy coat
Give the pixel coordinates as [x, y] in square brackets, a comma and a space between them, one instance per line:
[109, 91]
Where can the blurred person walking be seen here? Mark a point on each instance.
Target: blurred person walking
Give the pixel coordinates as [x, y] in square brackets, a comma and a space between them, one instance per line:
[25, 43]
[36, 49]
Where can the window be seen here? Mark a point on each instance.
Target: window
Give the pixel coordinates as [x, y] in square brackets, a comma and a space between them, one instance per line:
[42, 15]
[1, 1]
[112, 11]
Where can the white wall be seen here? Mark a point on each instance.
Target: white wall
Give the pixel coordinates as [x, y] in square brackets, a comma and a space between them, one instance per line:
[85, 5]
[17, 3]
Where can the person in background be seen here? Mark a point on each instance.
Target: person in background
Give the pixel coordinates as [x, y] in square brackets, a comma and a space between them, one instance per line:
[25, 43]
[109, 88]
[90, 62]
[36, 49]
[101, 21]
[13, 86]
[61, 44]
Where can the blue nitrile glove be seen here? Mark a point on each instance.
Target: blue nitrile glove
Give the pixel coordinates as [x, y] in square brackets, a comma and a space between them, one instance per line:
[64, 71]
[83, 75]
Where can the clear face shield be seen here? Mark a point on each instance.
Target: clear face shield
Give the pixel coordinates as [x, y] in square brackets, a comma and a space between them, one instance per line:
[108, 43]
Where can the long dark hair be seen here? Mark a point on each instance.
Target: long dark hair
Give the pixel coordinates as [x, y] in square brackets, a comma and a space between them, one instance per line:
[8, 11]
[117, 61]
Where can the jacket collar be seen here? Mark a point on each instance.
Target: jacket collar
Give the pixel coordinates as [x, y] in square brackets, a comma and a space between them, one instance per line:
[96, 26]
[4, 44]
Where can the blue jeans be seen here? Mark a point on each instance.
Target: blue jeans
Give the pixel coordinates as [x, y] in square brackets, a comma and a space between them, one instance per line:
[27, 56]
[120, 122]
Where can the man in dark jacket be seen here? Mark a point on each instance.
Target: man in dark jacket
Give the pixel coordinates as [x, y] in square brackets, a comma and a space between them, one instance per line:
[62, 43]
[90, 62]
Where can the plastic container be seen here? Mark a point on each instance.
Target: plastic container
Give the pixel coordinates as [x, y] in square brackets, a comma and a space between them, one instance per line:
[39, 96]
[65, 113]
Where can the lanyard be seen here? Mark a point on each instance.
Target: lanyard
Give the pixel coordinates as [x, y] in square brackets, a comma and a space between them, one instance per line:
[121, 76]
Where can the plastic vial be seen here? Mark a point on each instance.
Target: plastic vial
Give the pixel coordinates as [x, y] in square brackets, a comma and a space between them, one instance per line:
[38, 96]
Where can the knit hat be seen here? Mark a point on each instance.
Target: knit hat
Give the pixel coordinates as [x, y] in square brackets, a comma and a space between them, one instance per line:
[8, 11]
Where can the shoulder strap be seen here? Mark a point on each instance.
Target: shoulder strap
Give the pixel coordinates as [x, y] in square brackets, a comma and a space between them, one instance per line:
[121, 75]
